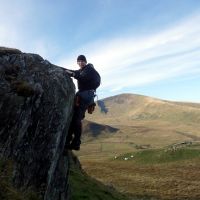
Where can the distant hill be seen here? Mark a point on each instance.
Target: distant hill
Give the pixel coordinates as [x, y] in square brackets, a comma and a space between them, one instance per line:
[146, 121]
[92, 129]
[123, 109]
[155, 138]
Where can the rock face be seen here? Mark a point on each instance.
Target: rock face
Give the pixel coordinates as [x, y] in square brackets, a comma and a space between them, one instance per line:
[36, 101]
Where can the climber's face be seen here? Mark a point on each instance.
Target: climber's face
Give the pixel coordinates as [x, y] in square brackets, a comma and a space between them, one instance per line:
[81, 63]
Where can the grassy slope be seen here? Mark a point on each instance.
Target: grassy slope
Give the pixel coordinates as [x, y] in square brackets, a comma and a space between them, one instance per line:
[92, 130]
[85, 187]
[143, 121]
[154, 124]
[160, 156]
[154, 174]
[125, 109]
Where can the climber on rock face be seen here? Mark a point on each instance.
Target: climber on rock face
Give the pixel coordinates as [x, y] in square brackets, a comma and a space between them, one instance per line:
[88, 80]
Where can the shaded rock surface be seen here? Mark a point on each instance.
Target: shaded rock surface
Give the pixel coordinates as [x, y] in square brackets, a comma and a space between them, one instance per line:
[36, 101]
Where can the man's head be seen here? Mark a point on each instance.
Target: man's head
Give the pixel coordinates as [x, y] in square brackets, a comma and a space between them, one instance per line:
[81, 61]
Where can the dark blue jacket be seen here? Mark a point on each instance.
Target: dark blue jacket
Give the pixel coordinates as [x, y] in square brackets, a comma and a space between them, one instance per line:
[85, 77]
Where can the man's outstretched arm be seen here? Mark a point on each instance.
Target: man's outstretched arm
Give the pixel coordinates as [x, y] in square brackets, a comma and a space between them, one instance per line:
[71, 73]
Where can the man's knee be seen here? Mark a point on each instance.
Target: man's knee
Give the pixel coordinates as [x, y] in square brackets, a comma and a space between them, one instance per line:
[79, 114]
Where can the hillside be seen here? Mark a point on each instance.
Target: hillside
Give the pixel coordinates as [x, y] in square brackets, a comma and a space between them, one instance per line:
[126, 108]
[86, 187]
[142, 159]
[156, 174]
[148, 121]
[92, 130]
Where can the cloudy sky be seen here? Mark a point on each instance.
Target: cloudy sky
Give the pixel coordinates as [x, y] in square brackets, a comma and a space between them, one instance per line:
[148, 47]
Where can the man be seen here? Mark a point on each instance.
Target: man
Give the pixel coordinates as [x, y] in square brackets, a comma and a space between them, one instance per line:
[88, 80]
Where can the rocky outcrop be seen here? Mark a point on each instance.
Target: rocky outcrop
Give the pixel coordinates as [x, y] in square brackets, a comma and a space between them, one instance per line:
[36, 99]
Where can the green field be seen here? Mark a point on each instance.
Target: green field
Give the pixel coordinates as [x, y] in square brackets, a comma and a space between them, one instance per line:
[159, 174]
[160, 156]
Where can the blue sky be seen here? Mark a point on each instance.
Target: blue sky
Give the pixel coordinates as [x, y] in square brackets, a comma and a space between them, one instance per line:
[148, 47]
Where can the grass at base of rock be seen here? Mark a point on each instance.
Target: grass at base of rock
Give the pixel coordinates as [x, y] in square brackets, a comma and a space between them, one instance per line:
[7, 191]
[84, 187]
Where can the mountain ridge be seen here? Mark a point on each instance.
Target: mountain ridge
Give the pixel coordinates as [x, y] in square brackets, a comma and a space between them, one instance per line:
[127, 107]
[132, 95]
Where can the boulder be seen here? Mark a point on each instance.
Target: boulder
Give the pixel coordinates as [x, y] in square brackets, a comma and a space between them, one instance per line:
[36, 105]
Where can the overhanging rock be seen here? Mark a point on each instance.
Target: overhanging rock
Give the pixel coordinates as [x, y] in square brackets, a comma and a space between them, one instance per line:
[36, 104]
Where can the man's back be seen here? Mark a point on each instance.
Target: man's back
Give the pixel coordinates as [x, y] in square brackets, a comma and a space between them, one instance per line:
[88, 78]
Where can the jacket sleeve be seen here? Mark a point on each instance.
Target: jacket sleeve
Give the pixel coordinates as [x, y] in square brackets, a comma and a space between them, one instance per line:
[83, 75]
[70, 72]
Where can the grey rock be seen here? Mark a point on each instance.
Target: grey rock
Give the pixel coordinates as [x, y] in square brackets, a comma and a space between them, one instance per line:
[36, 105]
[8, 51]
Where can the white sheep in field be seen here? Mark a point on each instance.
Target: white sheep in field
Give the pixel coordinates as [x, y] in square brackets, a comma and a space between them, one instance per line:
[125, 158]
[115, 157]
[132, 156]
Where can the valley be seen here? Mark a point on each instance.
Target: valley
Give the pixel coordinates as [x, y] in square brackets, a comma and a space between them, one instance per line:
[144, 124]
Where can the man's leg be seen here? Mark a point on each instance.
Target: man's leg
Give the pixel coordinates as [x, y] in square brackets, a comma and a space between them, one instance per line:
[77, 134]
[79, 114]
[70, 133]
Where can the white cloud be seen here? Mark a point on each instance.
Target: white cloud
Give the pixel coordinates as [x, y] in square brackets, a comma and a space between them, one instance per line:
[123, 62]
[130, 62]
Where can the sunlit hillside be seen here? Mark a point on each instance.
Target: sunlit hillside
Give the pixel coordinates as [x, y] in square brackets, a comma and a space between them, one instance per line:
[154, 152]
[146, 121]
[126, 109]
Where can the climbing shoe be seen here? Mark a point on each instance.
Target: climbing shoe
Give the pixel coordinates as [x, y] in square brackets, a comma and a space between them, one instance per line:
[71, 147]
[74, 147]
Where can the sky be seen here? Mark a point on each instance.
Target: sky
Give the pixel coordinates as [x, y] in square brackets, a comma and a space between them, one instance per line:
[147, 47]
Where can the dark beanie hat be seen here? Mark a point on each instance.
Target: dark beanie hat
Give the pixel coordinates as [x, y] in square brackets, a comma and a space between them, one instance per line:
[82, 57]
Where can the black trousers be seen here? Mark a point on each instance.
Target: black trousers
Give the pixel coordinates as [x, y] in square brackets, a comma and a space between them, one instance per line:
[75, 129]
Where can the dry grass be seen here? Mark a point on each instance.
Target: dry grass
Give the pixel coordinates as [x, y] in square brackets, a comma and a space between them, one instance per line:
[164, 181]
[145, 122]
[173, 180]
[178, 180]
